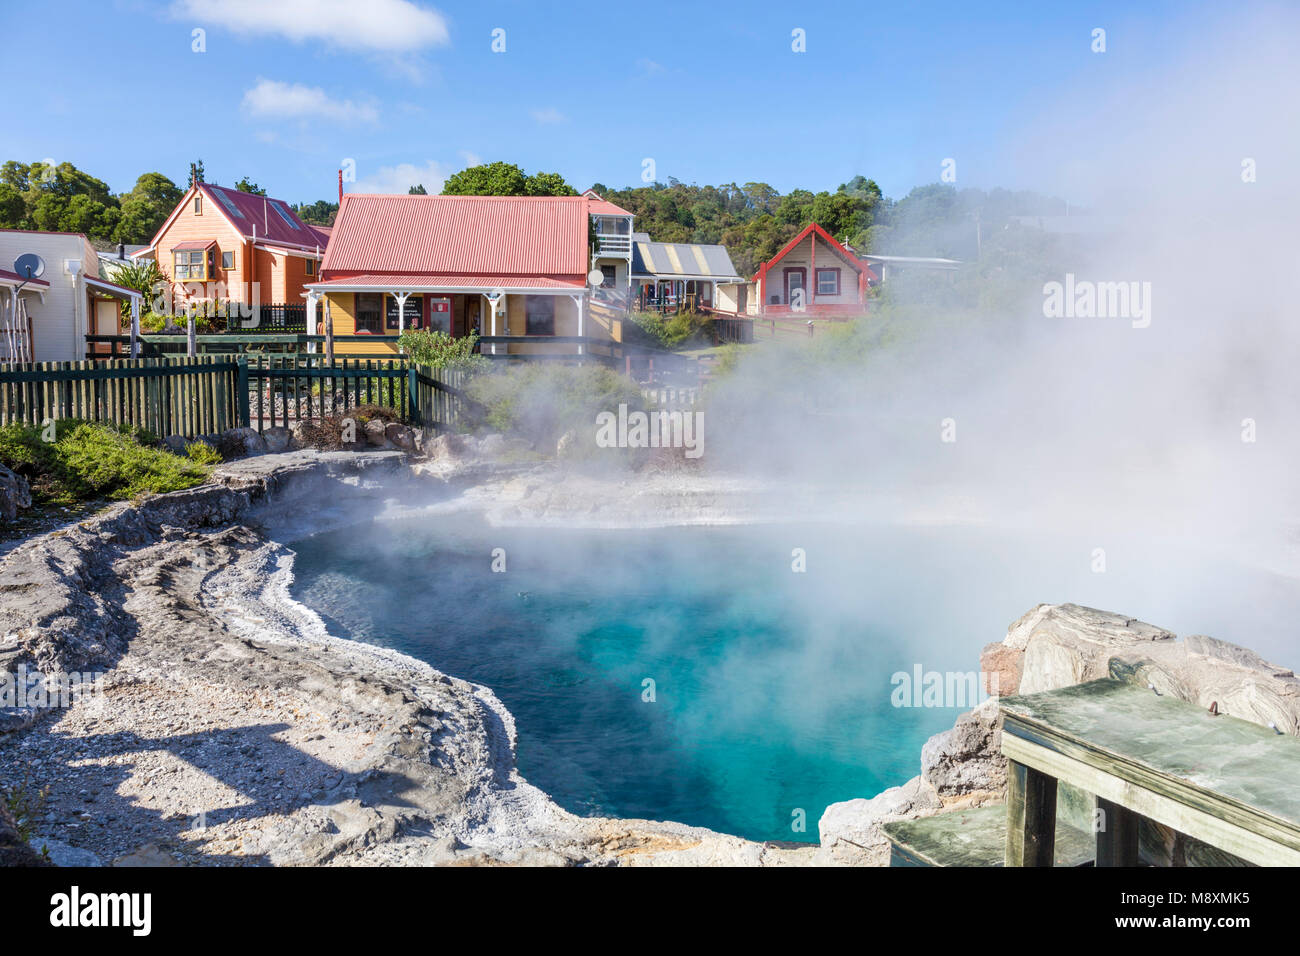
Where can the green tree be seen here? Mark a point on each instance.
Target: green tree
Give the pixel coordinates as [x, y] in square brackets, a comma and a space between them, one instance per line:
[505, 179]
[13, 210]
[146, 207]
[246, 185]
[417, 190]
[319, 213]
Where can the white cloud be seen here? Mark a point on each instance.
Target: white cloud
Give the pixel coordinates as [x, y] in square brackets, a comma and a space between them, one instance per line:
[275, 100]
[374, 25]
[470, 159]
[649, 66]
[549, 116]
[400, 178]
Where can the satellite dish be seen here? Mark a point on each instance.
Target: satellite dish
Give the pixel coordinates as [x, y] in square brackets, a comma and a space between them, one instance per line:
[595, 277]
[29, 265]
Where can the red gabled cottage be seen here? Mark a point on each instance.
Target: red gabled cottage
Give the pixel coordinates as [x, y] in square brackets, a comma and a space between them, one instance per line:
[813, 275]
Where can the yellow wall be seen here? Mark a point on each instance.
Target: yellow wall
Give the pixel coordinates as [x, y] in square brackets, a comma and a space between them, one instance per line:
[343, 310]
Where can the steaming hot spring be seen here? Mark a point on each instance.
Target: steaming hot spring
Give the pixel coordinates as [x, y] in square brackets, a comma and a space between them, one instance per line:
[698, 674]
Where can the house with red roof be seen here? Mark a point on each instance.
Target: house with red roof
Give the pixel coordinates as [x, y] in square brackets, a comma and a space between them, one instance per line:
[812, 275]
[224, 244]
[500, 266]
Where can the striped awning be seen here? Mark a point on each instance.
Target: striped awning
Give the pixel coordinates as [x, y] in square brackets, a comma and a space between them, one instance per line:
[682, 260]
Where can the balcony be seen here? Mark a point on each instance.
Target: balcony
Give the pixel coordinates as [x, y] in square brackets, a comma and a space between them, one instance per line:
[620, 247]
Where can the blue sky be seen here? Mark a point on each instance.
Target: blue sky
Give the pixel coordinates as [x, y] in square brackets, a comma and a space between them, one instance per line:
[286, 91]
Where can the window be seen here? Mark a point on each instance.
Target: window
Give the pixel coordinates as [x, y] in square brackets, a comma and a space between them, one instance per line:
[198, 205]
[227, 260]
[192, 264]
[285, 215]
[828, 281]
[613, 225]
[370, 312]
[539, 315]
[609, 275]
[230, 206]
[311, 267]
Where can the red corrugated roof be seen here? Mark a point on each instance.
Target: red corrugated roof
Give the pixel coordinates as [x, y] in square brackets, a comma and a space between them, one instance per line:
[602, 207]
[460, 235]
[8, 276]
[386, 283]
[113, 286]
[260, 212]
[193, 244]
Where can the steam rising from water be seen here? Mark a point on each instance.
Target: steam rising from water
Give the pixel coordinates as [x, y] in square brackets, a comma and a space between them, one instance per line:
[1108, 434]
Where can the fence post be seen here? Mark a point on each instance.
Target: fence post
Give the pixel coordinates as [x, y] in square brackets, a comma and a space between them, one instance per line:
[412, 385]
[242, 386]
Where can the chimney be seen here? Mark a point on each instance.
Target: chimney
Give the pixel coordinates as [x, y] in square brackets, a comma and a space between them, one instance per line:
[340, 187]
[121, 250]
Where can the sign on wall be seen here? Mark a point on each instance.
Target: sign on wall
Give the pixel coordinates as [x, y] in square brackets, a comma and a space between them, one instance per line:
[414, 312]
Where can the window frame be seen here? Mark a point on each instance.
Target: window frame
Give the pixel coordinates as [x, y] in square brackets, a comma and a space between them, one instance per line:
[185, 272]
[378, 298]
[532, 318]
[231, 255]
[828, 270]
[198, 204]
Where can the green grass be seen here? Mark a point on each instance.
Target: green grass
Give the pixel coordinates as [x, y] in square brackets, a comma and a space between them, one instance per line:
[86, 462]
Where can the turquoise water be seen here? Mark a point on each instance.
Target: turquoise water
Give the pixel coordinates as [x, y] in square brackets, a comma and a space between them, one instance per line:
[771, 689]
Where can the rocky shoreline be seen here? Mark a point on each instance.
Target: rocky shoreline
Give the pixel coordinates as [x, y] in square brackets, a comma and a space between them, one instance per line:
[231, 729]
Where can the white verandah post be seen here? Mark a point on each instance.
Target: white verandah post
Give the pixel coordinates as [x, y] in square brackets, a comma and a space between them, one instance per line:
[313, 302]
[578, 301]
[401, 298]
[135, 326]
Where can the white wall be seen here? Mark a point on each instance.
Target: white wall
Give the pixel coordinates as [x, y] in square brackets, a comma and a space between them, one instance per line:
[58, 322]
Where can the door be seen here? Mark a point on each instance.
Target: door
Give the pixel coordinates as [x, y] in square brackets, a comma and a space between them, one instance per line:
[440, 314]
[796, 280]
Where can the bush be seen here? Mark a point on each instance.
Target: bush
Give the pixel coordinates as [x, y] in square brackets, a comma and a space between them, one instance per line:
[439, 350]
[202, 453]
[88, 462]
[540, 402]
[673, 331]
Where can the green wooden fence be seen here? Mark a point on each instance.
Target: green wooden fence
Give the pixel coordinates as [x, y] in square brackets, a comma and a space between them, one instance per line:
[285, 389]
[167, 396]
[209, 393]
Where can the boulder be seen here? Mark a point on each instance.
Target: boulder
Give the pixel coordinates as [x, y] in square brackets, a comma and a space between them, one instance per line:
[298, 435]
[491, 446]
[1000, 667]
[968, 758]
[567, 445]
[448, 445]
[239, 442]
[176, 444]
[374, 432]
[15, 493]
[1066, 644]
[277, 439]
[850, 831]
[400, 436]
